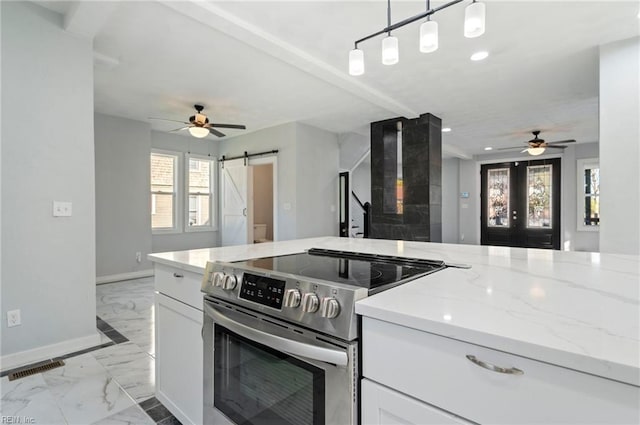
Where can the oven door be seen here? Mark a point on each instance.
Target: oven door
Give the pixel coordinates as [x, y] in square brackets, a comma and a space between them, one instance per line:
[260, 371]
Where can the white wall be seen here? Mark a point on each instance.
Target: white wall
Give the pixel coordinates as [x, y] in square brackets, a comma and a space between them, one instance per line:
[469, 208]
[123, 223]
[620, 147]
[48, 264]
[183, 144]
[317, 182]
[263, 197]
[450, 196]
[283, 139]
[352, 147]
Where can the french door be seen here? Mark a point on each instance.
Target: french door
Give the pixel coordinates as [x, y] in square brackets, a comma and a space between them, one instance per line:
[520, 204]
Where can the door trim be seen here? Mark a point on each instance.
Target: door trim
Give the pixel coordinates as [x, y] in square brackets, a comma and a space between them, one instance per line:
[273, 160]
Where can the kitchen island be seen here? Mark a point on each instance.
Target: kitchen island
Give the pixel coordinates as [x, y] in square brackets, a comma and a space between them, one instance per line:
[574, 312]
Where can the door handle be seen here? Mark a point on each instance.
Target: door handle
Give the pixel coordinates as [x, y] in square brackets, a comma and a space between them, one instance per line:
[244, 212]
[321, 354]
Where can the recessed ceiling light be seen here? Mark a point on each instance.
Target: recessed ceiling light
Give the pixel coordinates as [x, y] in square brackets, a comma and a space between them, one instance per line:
[488, 148]
[446, 130]
[478, 56]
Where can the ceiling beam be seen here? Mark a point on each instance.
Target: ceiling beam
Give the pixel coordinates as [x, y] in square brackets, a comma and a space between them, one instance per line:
[231, 25]
[86, 18]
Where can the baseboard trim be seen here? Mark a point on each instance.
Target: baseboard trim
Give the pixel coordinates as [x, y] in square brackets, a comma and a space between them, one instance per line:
[22, 358]
[124, 276]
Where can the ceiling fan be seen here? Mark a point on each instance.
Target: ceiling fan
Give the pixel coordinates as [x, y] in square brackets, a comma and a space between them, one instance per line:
[537, 146]
[199, 125]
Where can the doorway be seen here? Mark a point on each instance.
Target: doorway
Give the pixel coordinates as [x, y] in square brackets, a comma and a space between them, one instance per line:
[248, 201]
[520, 204]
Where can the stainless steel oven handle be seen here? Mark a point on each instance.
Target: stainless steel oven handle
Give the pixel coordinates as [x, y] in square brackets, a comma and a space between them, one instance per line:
[288, 346]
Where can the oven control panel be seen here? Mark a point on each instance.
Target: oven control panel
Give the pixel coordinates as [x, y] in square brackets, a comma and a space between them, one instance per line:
[262, 290]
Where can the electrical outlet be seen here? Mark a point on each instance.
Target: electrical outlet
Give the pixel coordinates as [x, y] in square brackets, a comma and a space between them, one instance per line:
[139, 257]
[13, 318]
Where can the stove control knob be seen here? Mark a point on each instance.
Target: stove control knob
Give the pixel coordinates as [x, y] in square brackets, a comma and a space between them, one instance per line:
[310, 303]
[292, 298]
[230, 281]
[217, 278]
[330, 308]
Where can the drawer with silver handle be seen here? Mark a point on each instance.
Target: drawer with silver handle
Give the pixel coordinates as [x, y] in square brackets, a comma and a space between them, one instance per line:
[489, 386]
[179, 284]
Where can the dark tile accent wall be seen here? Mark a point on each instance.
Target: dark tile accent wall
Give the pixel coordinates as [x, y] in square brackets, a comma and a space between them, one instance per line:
[421, 218]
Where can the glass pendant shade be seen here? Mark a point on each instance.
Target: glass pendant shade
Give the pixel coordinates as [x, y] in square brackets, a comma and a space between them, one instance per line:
[429, 37]
[390, 55]
[356, 62]
[198, 132]
[474, 16]
[535, 151]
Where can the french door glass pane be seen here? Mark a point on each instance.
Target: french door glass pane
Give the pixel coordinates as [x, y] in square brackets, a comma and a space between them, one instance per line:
[539, 192]
[592, 197]
[162, 214]
[498, 190]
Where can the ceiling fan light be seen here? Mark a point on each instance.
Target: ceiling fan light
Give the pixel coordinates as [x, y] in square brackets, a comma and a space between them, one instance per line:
[198, 132]
[356, 62]
[474, 20]
[536, 151]
[429, 37]
[390, 54]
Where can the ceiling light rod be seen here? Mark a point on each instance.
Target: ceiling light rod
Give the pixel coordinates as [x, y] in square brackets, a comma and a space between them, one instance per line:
[407, 21]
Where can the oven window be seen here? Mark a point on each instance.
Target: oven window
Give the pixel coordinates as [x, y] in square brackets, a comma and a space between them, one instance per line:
[257, 385]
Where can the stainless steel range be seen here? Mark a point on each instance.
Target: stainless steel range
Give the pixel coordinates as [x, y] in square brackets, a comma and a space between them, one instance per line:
[281, 334]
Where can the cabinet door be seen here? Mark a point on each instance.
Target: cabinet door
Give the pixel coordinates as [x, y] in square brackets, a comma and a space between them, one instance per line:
[383, 406]
[179, 359]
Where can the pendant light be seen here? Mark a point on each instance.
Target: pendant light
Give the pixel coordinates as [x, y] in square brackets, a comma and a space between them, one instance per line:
[429, 34]
[198, 132]
[474, 26]
[356, 62]
[474, 17]
[390, 52]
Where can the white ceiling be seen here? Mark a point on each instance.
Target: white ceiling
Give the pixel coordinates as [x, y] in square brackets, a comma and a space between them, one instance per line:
[265, 63]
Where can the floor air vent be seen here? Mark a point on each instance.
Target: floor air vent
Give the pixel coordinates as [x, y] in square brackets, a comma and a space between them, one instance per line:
[36, 369]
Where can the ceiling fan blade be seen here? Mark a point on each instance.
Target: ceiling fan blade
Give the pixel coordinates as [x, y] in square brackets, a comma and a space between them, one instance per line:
[238, 126]
[164, 119]
[215, 132]
[555, 147]
[511, 148]
[178, 129]
[561, 141]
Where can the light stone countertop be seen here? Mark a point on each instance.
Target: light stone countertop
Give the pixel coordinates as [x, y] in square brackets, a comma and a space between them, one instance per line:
[574, 309]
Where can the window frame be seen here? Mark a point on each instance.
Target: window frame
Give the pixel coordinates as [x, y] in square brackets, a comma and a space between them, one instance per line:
[213, 202]
[582, 165]
[176, 215]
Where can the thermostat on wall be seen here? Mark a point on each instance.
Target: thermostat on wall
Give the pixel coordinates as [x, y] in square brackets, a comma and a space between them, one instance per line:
[464, 194]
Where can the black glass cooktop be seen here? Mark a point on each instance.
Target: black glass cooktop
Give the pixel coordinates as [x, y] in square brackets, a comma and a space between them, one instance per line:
[364, 270]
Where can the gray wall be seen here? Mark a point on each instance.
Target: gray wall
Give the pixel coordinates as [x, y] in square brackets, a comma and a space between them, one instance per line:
[450, 196]
[469, 208]
[183, 144]
[317, 182]
[620, 147]
[352, 147]
[123, 223]
[48, 264]
[263, 197]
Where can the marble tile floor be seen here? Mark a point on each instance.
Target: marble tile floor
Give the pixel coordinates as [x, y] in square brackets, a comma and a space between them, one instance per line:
[109, 384]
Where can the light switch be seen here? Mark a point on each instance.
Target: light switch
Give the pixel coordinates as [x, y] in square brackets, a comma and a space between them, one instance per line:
[62, 209]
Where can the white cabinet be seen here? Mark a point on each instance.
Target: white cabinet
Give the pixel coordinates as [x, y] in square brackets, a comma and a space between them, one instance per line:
[437, 370]
[178, 338]
[383, 406]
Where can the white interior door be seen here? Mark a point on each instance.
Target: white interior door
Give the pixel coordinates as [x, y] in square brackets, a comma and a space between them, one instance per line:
[236, 208]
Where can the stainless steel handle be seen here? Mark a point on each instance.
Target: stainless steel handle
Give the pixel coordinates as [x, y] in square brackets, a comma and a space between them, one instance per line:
[178, 275]
[288, 346]
[494, 368]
